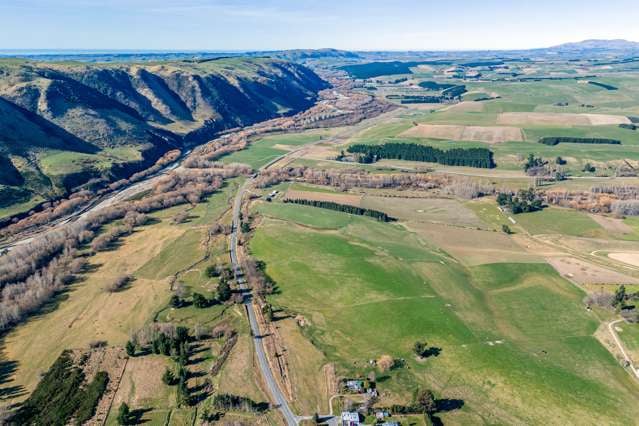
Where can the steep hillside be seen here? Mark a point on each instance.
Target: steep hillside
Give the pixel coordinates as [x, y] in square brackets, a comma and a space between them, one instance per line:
[67, 123]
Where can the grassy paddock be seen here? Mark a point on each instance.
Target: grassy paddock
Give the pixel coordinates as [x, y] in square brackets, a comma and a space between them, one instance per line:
[516, 344]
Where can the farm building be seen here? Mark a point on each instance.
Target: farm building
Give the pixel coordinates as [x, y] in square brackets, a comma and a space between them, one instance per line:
[356, 386]
[381, 415]
[350, 418]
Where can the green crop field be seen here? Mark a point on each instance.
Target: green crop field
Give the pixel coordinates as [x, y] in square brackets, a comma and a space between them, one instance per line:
[515, 344]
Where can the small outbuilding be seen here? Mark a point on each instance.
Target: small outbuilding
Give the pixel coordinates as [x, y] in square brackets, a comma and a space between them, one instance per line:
[350, 418]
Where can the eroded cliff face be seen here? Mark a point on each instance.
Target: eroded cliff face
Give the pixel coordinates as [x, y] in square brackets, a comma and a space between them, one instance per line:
[66, 123]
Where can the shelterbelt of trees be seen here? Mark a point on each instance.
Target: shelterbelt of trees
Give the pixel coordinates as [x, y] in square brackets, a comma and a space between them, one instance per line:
[470, 157]
[360, 211]
[555, 140]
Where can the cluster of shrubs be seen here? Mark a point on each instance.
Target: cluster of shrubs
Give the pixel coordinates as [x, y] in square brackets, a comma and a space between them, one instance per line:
[470, 157]
[261, 283]
[628, 126]
[525, 201]
[555, 140]
[360, 211]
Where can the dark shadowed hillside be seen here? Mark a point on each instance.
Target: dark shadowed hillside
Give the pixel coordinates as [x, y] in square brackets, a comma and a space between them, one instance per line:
[62, 124]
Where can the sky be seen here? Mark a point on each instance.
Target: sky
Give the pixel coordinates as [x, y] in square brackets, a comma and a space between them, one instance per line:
[219, 25]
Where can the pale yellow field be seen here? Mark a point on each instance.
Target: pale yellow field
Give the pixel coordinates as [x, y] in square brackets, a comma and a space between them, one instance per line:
[558, 119]
[90, 313]
[474, 247]
[466, 106]
[631, 258]
[488, 134]
[310, 392]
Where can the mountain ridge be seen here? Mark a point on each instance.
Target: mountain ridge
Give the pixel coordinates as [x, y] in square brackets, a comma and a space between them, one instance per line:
[74, 122]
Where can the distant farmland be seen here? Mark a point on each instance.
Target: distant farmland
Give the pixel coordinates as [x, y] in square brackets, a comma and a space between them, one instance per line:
[376, 69]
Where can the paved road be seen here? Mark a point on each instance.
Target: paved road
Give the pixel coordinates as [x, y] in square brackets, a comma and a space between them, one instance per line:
[271, 383]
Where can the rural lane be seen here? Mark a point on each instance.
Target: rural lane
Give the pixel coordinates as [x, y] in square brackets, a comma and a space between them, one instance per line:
[613, 333]
[271, 383]
[267, 374]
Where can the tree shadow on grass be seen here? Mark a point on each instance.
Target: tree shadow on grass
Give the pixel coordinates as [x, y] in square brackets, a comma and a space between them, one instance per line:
[433, 351]
[444, 405]
[7, 371]
[135, 416]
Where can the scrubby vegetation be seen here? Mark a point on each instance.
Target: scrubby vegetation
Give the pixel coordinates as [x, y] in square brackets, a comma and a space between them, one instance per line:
[470, 157]
[555, 140]
[381, 216]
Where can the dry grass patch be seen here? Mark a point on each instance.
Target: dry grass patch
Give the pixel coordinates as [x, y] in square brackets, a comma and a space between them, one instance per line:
[283, 147]
[488, 134]
[238, 376]
[441, 210]
[466, 106]
[87, 313]
[584, 273]
[558, 119]
[310, 392]
[474, 247]
[141, 383]
[350, 199]
[612, 224]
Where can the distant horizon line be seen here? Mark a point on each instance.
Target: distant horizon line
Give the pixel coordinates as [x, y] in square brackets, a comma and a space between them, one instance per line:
[79, 51]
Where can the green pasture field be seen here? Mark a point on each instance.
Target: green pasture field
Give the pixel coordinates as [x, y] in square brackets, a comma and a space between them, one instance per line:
[55, 163]
[554, 220]
[516, 344]
[20, 207]
[260, 152]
